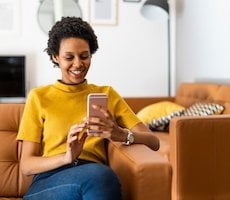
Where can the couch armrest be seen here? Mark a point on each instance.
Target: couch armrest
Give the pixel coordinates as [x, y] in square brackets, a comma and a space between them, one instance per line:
[199, 155]
[144, 173]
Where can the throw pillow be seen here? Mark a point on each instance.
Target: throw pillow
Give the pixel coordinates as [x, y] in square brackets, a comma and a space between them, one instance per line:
[162, 124]
[204, 109]
[197, 109]
[157, 110]
[158, 115]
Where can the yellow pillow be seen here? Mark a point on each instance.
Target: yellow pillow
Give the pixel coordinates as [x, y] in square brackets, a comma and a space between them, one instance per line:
[158, 110]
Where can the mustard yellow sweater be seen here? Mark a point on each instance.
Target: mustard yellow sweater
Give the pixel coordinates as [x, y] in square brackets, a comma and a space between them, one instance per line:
[51, 110]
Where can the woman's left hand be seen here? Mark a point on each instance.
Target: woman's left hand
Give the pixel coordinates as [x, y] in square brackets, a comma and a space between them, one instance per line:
[105, 127]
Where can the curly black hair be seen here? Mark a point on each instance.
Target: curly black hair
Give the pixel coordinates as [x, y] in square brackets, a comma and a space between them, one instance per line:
[70, 27]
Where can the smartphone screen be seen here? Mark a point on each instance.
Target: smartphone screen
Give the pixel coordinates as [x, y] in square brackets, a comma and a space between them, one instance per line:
[99, 99]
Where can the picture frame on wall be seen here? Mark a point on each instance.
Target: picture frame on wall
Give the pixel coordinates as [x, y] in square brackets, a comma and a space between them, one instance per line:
[103, 12]
[9, 17]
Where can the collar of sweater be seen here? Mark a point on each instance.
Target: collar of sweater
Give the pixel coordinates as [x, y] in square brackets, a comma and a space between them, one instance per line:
[71, 87]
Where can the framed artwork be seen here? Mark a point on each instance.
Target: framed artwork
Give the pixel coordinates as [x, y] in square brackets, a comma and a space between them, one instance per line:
[103, 12]
[9, 17]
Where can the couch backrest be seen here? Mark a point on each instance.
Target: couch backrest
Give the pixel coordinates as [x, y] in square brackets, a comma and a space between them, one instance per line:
[189, 93]
[12, 182]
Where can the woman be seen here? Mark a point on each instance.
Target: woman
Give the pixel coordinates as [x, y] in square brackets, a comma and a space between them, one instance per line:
[67, 163]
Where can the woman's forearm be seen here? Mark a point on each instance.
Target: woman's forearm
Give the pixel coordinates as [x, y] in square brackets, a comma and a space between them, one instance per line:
[31, 165]
[148, 139]
[142, 135]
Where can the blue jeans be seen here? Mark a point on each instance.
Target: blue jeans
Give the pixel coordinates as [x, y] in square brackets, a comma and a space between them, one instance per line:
[90, 181]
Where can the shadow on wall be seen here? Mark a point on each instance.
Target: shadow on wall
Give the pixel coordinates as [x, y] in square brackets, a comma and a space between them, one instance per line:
[179, 6]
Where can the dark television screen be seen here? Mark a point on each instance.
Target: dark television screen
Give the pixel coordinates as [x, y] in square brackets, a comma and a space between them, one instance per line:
[12, 76]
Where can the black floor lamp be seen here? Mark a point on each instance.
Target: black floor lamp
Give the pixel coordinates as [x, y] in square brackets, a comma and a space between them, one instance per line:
[159, 10]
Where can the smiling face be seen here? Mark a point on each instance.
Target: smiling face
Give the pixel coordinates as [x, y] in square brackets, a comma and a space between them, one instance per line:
[74, 59]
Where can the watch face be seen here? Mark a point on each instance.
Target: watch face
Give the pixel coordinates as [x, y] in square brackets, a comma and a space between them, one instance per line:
[130, 137]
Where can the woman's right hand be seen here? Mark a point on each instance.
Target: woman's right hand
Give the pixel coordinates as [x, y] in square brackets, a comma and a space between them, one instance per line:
[33, 163]
[75, 142]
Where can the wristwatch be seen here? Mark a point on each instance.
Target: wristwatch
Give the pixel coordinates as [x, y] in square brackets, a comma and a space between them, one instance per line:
[130, 138]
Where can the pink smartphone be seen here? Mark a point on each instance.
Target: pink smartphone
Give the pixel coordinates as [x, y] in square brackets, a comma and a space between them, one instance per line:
[99, 99]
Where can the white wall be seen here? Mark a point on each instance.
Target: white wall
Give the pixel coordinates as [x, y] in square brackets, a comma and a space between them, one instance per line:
[203, 41]
[132, 56]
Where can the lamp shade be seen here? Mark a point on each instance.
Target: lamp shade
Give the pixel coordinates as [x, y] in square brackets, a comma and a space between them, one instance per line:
[155, 10]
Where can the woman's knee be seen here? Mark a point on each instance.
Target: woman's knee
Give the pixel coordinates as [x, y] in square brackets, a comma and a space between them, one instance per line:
[103, 184]
[104, 174]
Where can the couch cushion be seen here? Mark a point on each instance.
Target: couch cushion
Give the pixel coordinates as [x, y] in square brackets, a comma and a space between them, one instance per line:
[190, 93]
[9, 159]
[12, 182]
[222, 95]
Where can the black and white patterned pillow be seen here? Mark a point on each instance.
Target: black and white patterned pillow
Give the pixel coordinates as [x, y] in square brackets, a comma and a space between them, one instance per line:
[197, 109]
[162, 124]
[204, 109]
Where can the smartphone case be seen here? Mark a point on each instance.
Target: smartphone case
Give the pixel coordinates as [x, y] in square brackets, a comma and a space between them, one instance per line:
[99, 99]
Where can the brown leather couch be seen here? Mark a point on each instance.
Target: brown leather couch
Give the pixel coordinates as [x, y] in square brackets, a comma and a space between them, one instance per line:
[197, 148]
[138, 171]
[193, 161]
